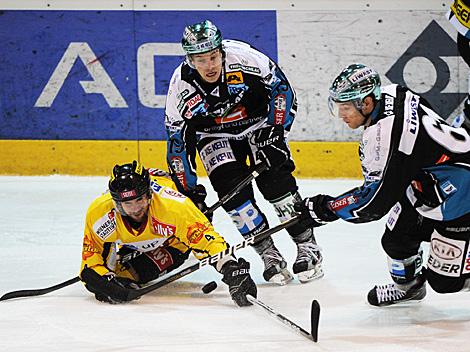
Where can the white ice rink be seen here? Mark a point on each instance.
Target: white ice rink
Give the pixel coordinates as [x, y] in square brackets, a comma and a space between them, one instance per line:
[40, 245]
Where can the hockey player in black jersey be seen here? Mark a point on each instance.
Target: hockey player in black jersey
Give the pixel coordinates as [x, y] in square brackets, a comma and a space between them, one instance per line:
[231, 103]
[417, 168]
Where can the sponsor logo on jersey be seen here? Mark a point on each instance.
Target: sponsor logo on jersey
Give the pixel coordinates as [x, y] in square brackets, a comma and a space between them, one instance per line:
[155, 186]
[239, 113]
[172, 194]
[393, 216]
[280, 104]
[342, 203]
[105, 225]
[88, 248]
[193, 101]
[196, 231]
[158, 172]
[448, 188]
[235, 77]
[410, 124]
[245, 68]
[163, 229]
[412, 120]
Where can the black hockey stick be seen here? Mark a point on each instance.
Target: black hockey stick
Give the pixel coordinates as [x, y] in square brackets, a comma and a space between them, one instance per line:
[212, 260]
[38, 292]
[314, 318]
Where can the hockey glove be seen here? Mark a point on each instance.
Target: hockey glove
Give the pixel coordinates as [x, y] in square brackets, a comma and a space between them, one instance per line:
[237, 277]
[272, 146]
[426, 190]
[315, 211]
[108, 288]
[198, 195]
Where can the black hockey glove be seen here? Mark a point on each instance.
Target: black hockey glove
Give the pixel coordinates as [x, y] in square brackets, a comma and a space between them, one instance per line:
[272, 146]
[426, 190]
[315, 211]
[198, 195]
[237, 277]
[108, 288]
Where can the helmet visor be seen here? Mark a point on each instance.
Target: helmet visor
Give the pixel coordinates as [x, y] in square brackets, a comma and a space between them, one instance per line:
[341, 108]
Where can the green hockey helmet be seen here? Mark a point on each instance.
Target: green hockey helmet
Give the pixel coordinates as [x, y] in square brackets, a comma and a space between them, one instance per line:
[353, 84]
[201, 37]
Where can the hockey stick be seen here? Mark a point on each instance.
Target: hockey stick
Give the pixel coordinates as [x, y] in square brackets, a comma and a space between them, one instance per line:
[38, 292]
[133, 294]
[314, 318]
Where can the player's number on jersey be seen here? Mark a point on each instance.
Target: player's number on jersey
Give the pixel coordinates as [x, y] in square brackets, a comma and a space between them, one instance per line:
[456, 140]
[209, 237]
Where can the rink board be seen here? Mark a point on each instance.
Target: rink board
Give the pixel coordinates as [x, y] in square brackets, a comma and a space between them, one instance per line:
[97, 72]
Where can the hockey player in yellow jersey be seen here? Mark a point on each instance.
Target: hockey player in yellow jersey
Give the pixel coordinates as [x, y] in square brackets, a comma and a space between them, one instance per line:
[142, 229]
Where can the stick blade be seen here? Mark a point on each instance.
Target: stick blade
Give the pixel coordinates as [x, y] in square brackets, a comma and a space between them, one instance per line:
[315, 319]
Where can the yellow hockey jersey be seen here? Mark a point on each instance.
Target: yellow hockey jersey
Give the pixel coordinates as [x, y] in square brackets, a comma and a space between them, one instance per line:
[173, 220]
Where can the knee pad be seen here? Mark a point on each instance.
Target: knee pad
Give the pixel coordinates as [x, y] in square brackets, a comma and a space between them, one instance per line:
[248, 218]
[448, 256]
[249, 221]
[284, 207]
[405, 270]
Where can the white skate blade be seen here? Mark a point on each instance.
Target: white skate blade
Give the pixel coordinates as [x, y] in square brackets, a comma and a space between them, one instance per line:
[310, 275]
[282, 278]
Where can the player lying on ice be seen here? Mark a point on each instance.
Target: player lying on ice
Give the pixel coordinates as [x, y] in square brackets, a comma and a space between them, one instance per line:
[417, 168]
[142, 229]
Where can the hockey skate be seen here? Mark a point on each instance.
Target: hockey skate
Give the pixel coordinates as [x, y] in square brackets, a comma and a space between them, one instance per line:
[275, 267]
[386, 295]
[308, 264]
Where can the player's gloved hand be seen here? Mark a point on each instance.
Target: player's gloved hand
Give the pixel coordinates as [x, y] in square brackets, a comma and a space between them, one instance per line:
[108, 288]
[315, 211]
[426, 190]
[237, 277]
[198, 195]
[272, 146]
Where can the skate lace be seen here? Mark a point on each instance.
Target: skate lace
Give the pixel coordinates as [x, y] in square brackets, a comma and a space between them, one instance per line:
[389, 292]
[271, 257]
[307, 251]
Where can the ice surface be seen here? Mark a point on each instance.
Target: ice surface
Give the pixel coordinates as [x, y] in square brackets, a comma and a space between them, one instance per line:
[40, 243]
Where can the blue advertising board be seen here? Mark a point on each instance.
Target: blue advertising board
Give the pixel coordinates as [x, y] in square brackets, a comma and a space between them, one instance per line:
[99, 75]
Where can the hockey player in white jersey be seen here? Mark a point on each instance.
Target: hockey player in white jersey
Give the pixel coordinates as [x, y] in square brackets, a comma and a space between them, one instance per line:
[231, 103]
[417, 168]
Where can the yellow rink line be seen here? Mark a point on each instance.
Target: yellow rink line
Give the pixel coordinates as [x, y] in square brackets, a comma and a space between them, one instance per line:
[80, 157]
